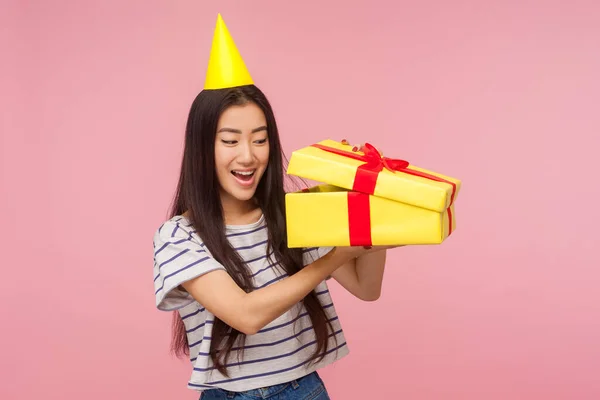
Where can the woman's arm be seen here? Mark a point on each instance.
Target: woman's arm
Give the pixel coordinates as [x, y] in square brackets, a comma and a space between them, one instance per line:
[363, 276]
[250, 312]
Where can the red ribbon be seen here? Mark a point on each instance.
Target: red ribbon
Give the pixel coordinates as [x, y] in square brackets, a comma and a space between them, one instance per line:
[359, 226]
[366, 174]
[365, 181]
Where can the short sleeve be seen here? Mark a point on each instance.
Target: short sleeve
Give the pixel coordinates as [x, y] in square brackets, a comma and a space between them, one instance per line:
[178, 257]
[312, 254]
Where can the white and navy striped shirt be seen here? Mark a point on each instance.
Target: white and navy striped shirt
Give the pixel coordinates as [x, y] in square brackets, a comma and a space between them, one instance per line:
[278, 352]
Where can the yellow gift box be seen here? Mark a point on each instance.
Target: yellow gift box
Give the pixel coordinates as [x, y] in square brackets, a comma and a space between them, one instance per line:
[367, 199]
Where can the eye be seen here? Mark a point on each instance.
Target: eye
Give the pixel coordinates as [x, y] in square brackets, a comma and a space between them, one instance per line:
[229, 142]
[262, 141]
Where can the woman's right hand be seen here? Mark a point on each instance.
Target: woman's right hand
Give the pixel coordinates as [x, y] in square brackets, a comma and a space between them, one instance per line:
[350, 252]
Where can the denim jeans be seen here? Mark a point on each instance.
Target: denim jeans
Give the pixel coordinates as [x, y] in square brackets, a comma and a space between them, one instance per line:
[309, 387]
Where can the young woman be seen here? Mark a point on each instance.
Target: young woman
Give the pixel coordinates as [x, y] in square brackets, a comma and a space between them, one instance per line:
[254, 316]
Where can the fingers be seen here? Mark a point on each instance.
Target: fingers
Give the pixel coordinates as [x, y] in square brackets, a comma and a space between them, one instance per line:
[354, 148]
[377, 248]
[358, 148]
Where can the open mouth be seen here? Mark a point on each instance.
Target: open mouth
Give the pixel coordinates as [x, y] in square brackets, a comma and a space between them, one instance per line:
[245, 176]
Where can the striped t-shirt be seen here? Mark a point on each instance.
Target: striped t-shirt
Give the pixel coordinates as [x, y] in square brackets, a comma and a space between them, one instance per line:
[279, 352]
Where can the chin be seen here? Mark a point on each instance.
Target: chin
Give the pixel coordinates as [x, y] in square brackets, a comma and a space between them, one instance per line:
[244, 196]
[239, 195]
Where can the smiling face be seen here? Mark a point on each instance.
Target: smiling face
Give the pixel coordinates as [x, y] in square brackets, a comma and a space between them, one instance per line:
[241, 152]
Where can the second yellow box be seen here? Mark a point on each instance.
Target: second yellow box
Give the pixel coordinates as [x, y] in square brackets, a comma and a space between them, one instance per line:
[322, 216]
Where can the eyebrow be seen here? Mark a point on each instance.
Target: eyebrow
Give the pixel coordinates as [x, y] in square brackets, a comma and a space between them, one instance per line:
[260, 128]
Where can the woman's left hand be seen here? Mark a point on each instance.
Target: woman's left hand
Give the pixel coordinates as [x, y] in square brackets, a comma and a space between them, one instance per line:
[359, 148]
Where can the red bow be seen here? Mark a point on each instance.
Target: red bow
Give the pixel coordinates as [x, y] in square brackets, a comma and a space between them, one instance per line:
[366, 174]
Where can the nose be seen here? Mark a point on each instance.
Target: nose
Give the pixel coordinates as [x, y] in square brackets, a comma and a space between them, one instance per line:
[245, 156]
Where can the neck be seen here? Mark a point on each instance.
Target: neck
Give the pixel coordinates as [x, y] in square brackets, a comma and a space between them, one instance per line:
[236, 212]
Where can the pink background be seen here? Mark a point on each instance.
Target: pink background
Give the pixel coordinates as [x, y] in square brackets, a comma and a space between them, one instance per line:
[502, 94]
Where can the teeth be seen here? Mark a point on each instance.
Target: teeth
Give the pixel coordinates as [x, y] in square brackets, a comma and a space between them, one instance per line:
[244, 173]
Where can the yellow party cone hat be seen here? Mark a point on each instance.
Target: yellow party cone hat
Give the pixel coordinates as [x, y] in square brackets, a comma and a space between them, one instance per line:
[226, 68]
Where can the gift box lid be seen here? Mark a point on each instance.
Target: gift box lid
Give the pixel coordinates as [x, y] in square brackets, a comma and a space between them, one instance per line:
[368, 172]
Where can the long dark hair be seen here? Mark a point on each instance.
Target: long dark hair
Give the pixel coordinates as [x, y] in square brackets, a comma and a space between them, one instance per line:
[198, 194]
